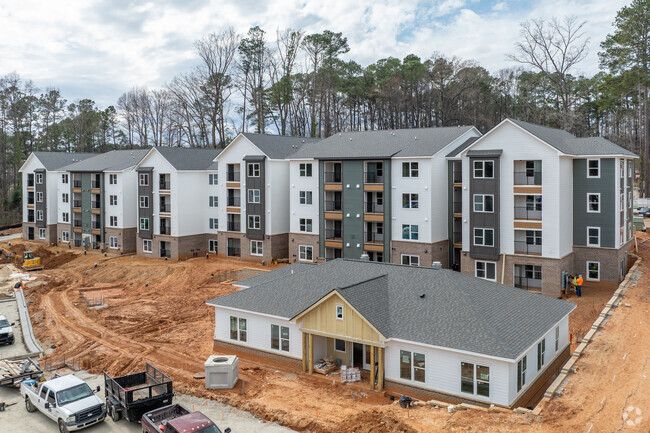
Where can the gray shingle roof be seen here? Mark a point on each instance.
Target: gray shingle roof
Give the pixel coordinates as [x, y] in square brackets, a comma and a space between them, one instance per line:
[457, 311]
[382, 144]
[115, 160]
[55, 160]
[462, 147]
[184, 158]
[278, 146]
[567, 143]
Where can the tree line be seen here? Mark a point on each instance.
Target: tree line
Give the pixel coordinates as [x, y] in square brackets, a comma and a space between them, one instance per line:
[298, 84]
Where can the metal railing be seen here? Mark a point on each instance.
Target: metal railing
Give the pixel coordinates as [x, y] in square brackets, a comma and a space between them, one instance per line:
[523, 247]
[333, 177]
[232, 176]
[457, 207]
[165, 253]
[333, 205]
[458, 237]
[373, 177]
[165, 207]
[233, 226]
[164, 184]
[30, 182]
[165, 230]
[95, 205]
[95, 184]
[373, 238]
[525, 213]
[374, 207]
[333, 234]
[528, 177]
[233, 251]
[96, 225]
[457, 176]
[234, 201]
[76, 183]
[30, 200]
[77, 242]
[77, 223]
[30, 218]
[76, 203]
[528, 283]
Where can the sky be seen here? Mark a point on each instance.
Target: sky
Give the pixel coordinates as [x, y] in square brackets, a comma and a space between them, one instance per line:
[99, 49]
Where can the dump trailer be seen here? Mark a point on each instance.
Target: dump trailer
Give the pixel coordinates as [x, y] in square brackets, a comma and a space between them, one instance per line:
[133, 395]
[31, 263]
[176, 418]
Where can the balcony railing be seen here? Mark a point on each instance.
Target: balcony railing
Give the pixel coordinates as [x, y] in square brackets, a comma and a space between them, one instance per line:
[233, 251]
[528, 283]
[77, 242]
[95, 184]
[333, 205]
[523, 247]
[77, 223]
[374, 207]
[96, 225]
[164, 184]
[165, 230]
[165, 207]
[165, 253]
[525, 213]
[458, 237]
[373, 238]
[528, 177]
[30, 218]
[30, 182]
[95, 205]
[373, 177]
[457, 176]
[457, 207]
[333, 177]
[331, 253]
[333, 234]
[232, 176]
[30, 200]
[234, 201]
[76, 203]
[76, 183]
[233, 226]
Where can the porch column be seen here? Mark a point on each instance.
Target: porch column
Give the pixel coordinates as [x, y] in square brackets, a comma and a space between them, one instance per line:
[380, 372]
[372, 367]
[311, 354]
[305, 342]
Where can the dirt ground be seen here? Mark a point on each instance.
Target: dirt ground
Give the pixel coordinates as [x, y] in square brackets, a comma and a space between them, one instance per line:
[156, 313]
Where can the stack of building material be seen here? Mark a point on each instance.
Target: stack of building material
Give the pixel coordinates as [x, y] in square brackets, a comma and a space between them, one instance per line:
[350, 374]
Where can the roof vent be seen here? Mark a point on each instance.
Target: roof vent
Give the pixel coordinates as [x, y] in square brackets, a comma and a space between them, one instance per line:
[350, 138]
[416, 138]
[365, 257]
[422, 296]
[436, 265]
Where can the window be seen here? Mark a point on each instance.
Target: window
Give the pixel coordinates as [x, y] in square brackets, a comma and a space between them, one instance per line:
[280, 338]
[256, 248]
[411, 366]
[39, 177]
[39, 197]
[557, 338]
[485, 270]
[339, 312]
[212, 245]
[144, 201]
[253, 169]
[521, 373]
[467, 377]
[254, 222]
[533, 237]
[483, 169]
[305, 170]
[253, 195]
[305, 252]
[44, 391]
[112, 221]
[410, 231]
[621, 202]
[483, 381]
[410, 201]
[65, 178]
[483, 203]
[144, 179]
[593, 202]
[593, 168]
[339, 345]
[65, 236]
[534, 202]
[237, 328]
[65, 197]
[410, 169]
[305, 197]
[51, 398]
[41, 233]
[593, 236]
[112, 241]
[213, 179]
[593, 271]
[410, 260]
[144, 223]
[305, 225]
[39, 215]
[147, 246]
[113, 200]
[65, 217]
[214, 223]
[622, 165]
[533, 272]
[484, 237]
[214, 201]
[541, 350]
[112, 179]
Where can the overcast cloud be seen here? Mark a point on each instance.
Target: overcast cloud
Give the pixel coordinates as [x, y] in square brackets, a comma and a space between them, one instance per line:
[100, 48]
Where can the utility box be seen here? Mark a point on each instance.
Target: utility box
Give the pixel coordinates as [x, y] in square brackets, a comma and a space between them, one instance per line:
[221, 371]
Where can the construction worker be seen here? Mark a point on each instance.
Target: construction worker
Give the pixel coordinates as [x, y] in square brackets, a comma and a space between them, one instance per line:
[579, 282]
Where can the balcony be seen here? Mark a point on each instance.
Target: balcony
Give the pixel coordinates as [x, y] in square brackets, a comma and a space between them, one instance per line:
[30, 182]
[373, 238]
[165, 207]
[457, 176]
[77, 223]
[457, 207]
[76, 203]
[333, 234]
[525, 283]
[233, 251]
[333, 177]
[30, 218]
[234, 201]
[96, 225]
[164, 185]
[95, 245]
[528, 177]
[333, 253]
[165, 253]
[76, 183]
[232, 176]
[374, 207]
[95, 205]
[95, 184]
[333, 206]
[233, 226]
[373, 177]
[30, 200]
[524, 247]
[165, 230]
[458, 238]
[527, 213]
[77, 242]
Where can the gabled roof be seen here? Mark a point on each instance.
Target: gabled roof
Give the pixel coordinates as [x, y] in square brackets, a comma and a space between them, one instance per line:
[383, 144]
[462, 147]
[185, 158]
[115, 160]
[457, 311]
[277, 146]
[53, 161]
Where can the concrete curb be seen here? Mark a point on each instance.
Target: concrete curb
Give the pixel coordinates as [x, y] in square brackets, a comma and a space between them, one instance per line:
[26, 325]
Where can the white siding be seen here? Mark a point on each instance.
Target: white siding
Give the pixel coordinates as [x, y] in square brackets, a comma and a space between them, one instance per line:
[63, 188]
[297, 184]
[429, 230]
[28, 168]
[277, 196]
[565, 206]
[189, 202]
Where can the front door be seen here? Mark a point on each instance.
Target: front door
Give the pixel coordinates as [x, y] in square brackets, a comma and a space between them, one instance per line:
[357, 355]
[30, 233]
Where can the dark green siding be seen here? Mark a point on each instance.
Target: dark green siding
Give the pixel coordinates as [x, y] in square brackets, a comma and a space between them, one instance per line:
[321, 207]
[387, 209]
[450, 210]
[605, 185]
[352, 175]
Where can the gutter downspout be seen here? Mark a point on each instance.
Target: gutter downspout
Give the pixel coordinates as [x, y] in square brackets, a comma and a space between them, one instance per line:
[503, 267]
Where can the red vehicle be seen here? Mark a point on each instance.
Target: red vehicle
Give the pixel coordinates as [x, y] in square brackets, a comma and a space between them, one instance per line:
[176, 419]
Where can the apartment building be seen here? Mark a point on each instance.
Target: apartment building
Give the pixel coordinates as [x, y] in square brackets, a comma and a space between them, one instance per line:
[527, 203]
[95, 201]
[177, 202]
[41, 174]
[254, 220]
[381, 193]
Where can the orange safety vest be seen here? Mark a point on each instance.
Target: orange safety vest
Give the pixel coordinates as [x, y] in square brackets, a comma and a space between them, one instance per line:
[580, 281]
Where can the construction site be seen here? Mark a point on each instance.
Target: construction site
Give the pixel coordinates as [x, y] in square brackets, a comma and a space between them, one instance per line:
[108, 313]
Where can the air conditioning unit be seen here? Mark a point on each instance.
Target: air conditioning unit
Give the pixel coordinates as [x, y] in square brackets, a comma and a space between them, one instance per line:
[221, 371]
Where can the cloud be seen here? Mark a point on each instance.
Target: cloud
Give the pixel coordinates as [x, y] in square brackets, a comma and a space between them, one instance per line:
[500, 6]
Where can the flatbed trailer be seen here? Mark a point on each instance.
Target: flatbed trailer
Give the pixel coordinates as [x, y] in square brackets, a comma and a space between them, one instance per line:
[14, 372]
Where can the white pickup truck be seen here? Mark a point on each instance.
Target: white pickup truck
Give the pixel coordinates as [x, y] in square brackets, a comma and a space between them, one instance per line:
[67, 400]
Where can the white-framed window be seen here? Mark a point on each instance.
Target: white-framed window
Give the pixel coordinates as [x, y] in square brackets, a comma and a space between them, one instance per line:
[593, 168]
[112, 200]
[147, 246]
[305, 252]
[622, 168]
[254, 222]
[65, 197]
[412, 366]
[112, 242]
[253, 195]
[557, 338]
[214, 223]
[305, 197]
[630, 165]
[144, 223]
[410, 169]
[593, 202]
[213, 179]
[253, 169]
[410, 260]
[306, 225]
[305, 169]
[339, 311]
[65, 217]
[541, 354]
[65, 236]
[475, 379]
[41, 233]
[212, 245]
[65, 178]
[280, 338]
[593, 271]
[484, 237]
[214, 201]
[621, 202]
[485, 270]
[39, 215]
[112, 179]
[521, 373]
[144, 201]
[112, 221]
[339, 345]
[39, 177]
[143, 179]
[410, 231]
[410, 201]
[483, 169]
[238, 330]
[257, 248]
[593, 236]
[39, 197]
[483, 203]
